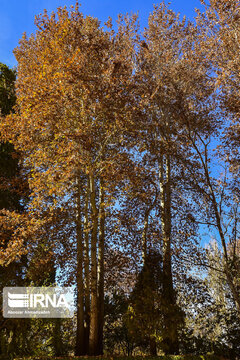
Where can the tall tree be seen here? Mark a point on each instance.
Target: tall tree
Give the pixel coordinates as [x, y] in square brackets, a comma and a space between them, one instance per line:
[73, 99]
[174, 92]
[13, 196]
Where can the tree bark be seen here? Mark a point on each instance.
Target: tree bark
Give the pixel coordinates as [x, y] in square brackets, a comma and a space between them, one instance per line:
[58, 345]
[153, 347]
[79, 350]
[101, 267]
[93, 338]
[144, 236]
[86, 272]
[170, 336]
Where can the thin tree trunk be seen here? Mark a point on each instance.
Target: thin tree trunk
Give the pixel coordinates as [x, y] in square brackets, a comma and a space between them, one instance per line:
[145, 228]
[167, 259]
[144, 237]
[235, 293]
[212, 197]
[80, 310]
[101, 267]
[86, 272]
[93, 338]
[170, 337]
[153, 347]
[57, 338]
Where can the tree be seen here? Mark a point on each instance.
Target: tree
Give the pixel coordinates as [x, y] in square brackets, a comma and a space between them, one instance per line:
[212, 322]
[174, 92]
[13, 198]
[73, 100]
[220, 36]
[117, 337]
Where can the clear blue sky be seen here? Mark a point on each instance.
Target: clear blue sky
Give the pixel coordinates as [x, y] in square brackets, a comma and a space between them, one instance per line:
[17, 16]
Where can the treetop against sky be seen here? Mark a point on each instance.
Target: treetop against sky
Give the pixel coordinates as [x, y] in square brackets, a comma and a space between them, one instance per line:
[17, 16]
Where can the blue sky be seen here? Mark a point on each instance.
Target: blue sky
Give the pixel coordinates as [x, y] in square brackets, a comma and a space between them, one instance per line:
[17, 16]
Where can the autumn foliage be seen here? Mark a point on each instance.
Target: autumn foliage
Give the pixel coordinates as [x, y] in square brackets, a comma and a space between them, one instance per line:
[127, 146]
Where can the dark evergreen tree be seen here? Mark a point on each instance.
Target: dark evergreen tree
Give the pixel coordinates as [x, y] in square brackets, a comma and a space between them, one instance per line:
[12, 198]
[149, 306]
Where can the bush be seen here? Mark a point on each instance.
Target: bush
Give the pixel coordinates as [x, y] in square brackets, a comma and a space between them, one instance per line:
[165, 357]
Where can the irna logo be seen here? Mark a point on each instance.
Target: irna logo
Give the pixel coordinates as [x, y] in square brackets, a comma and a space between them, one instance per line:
[35, 300]
[42, 302]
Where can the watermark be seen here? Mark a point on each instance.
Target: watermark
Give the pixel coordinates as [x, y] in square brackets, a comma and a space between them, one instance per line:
[38, 302]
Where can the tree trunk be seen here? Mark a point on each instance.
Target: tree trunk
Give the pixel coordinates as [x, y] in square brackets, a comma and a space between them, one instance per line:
[144, 237]
[86, 272]
[101, 268]
[80, 310]
[153, 347]
[170, 335]
[57, 338]
[93, 338]
[235, 293]
[212, 197]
